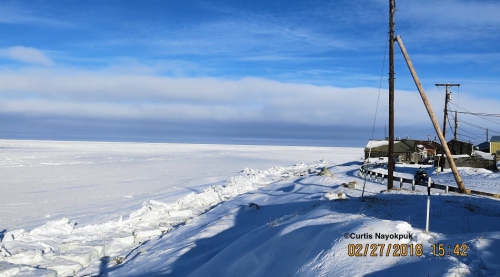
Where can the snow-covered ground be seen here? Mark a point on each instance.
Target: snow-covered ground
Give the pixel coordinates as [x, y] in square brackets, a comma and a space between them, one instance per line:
[138, 209]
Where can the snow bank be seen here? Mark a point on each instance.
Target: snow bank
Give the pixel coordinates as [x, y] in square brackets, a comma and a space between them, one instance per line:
[62, 247]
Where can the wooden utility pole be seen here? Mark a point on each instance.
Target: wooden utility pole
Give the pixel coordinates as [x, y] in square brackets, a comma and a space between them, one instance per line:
[390, 162]
[447, 98]
[458, 179]
[455, 133]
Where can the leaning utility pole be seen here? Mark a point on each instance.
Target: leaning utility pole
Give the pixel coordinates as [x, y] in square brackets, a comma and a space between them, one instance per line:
[390, 162]
[458, 179]
[446, 100]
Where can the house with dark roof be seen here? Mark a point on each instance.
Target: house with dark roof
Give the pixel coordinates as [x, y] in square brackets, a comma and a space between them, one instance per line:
[484, 147]
[478, 159]
[405, 150]
[458, 147]
[465, 154]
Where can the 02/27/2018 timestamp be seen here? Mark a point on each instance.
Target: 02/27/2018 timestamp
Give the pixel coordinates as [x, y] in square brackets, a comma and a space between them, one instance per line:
[442, 249]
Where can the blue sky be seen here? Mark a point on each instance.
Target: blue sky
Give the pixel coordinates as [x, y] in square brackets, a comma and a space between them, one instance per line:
[306, 72]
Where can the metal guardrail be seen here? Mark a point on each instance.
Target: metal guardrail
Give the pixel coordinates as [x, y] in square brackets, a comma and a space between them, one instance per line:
[376, 175]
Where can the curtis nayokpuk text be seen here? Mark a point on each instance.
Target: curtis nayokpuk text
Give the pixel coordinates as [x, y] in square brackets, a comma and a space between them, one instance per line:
[379, 236]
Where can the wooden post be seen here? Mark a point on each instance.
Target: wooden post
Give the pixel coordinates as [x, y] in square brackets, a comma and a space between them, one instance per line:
[455, 133]
[458, 179]
[446, 100]
[390, 156]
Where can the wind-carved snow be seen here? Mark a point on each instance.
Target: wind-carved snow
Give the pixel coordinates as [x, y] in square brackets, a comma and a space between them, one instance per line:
[63, 247]
[284, 221]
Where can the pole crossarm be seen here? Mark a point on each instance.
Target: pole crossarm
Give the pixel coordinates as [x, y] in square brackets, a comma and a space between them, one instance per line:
[447, 98]
[458, 179]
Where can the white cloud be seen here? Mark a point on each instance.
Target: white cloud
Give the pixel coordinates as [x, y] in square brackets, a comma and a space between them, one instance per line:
[26, 55]
[104, 95]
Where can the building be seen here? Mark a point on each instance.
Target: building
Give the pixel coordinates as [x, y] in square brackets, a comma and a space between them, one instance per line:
[465, 154]
[405, 150]
[424, 150]
[484, 147]
[478, 159]
[495, 145]
[458, 147]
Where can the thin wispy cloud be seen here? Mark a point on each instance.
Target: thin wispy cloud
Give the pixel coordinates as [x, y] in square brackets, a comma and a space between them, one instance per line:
[455, 20]
[14, 13]
[26, 55]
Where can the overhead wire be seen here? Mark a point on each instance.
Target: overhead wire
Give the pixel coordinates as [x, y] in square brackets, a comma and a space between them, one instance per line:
[376, 109]
[484, 116]
[477, 114]
[480, 127]
[481, 114]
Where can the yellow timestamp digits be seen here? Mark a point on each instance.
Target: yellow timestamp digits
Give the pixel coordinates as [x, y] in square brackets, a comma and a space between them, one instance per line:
[382, 249]
[441, 249]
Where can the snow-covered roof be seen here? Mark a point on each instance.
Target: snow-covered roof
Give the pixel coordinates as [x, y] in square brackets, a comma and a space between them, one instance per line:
[378, 143]
[486, 156]
[454, 156]
[460, 156]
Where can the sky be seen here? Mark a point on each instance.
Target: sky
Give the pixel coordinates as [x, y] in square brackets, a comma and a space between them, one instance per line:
[269, 72]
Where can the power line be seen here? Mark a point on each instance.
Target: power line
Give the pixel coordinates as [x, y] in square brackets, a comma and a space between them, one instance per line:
[495, 122]
[485, 116]
[481, 114]
[473, 134]
[474, 125]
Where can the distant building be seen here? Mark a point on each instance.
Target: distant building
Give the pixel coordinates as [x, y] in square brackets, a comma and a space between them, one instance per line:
[495, 145]
[380, 148]
[484, 147]
[458, 147]
[405, 150]
[478, 159]
[425, 151]
[465, 154]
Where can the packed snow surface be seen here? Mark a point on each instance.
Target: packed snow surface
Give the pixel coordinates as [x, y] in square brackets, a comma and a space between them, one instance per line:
[138, 209]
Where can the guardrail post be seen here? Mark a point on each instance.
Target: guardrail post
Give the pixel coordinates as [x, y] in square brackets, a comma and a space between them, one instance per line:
[413, 185]
[428, 205]
[447, 189]
[400, 182]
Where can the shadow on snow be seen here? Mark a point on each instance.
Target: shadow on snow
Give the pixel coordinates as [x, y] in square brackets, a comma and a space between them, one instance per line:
[255, 244]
